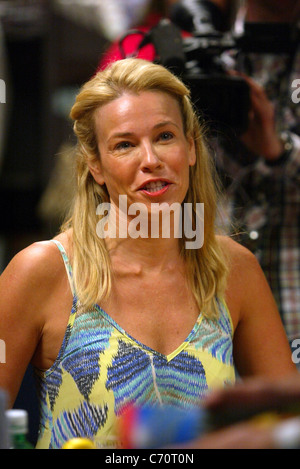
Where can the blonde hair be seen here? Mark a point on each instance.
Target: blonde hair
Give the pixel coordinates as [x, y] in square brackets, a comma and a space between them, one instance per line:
[206, 267]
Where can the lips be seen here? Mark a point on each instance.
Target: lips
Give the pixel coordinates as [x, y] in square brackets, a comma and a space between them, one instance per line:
[155, 186]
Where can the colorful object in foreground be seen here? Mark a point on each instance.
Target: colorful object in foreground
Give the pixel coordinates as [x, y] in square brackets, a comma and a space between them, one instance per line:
[79, 443]
[17, 421]
[156, 427]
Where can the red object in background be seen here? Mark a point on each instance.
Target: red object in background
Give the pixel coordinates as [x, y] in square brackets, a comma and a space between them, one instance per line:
[130, 45]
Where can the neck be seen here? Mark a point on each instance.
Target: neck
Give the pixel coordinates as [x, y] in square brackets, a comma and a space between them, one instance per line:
[144, 254]
[142, 241]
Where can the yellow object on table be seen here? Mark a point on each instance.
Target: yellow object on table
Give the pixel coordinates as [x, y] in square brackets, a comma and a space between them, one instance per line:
[79, 443]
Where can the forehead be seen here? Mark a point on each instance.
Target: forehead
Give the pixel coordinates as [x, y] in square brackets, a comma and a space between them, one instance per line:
[132, 109]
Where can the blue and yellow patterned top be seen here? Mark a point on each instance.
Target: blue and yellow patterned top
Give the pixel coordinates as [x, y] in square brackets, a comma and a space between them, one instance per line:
[100, 369]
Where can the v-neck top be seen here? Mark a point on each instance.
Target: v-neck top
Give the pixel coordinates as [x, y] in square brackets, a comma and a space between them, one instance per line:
[101, 369]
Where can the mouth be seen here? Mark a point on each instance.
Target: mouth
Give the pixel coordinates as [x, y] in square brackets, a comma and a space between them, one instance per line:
[155, 187]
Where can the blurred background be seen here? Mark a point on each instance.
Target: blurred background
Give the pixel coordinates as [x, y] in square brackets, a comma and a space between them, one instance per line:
[48, 49]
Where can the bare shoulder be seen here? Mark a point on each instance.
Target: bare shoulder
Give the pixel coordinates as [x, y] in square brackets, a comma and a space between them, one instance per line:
[35, 302]
[246, 279]
[255, 317]
[35, 266]
[34, 261]
[238, 256]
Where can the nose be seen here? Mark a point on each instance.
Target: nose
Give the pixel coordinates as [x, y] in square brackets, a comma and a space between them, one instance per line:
[150, 159]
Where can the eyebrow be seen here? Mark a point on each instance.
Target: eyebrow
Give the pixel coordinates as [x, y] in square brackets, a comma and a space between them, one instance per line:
[130, 134]
[162, 124]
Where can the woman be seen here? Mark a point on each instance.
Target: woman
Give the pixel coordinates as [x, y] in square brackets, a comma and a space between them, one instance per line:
[151, 321]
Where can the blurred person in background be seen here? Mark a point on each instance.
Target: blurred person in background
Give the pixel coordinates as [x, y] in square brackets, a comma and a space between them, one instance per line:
[262, 167]
[156, 10]
[112, 18]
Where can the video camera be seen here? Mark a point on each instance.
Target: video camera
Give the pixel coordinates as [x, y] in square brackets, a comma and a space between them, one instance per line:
[202, 60]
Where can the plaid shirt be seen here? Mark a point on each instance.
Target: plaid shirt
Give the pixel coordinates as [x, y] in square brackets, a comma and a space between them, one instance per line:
[263, 198]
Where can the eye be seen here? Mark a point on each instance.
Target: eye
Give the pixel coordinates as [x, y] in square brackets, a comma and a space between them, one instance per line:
[165, 136]
[123, 145]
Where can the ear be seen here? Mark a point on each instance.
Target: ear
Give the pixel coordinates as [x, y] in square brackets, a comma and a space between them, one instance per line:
[192, 151]
[96, 171]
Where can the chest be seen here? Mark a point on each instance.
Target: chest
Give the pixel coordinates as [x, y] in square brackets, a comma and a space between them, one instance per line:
[159, 313]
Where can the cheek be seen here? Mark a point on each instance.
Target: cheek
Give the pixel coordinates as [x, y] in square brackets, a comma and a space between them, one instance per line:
[119, 171]
[180, 162]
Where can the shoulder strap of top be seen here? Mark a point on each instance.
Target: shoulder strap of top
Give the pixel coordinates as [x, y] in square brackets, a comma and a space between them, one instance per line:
[67, 264]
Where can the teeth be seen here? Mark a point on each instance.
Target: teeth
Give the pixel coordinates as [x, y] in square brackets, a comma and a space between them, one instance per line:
[154, 186]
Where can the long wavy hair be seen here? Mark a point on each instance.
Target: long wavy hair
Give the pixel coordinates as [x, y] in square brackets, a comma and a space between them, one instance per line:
[206, 266]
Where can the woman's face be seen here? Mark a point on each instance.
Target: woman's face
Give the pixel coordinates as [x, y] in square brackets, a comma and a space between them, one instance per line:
[144, 153]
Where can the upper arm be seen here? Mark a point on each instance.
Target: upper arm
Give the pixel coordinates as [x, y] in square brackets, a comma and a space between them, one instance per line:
[21, 313]
[260, 342]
